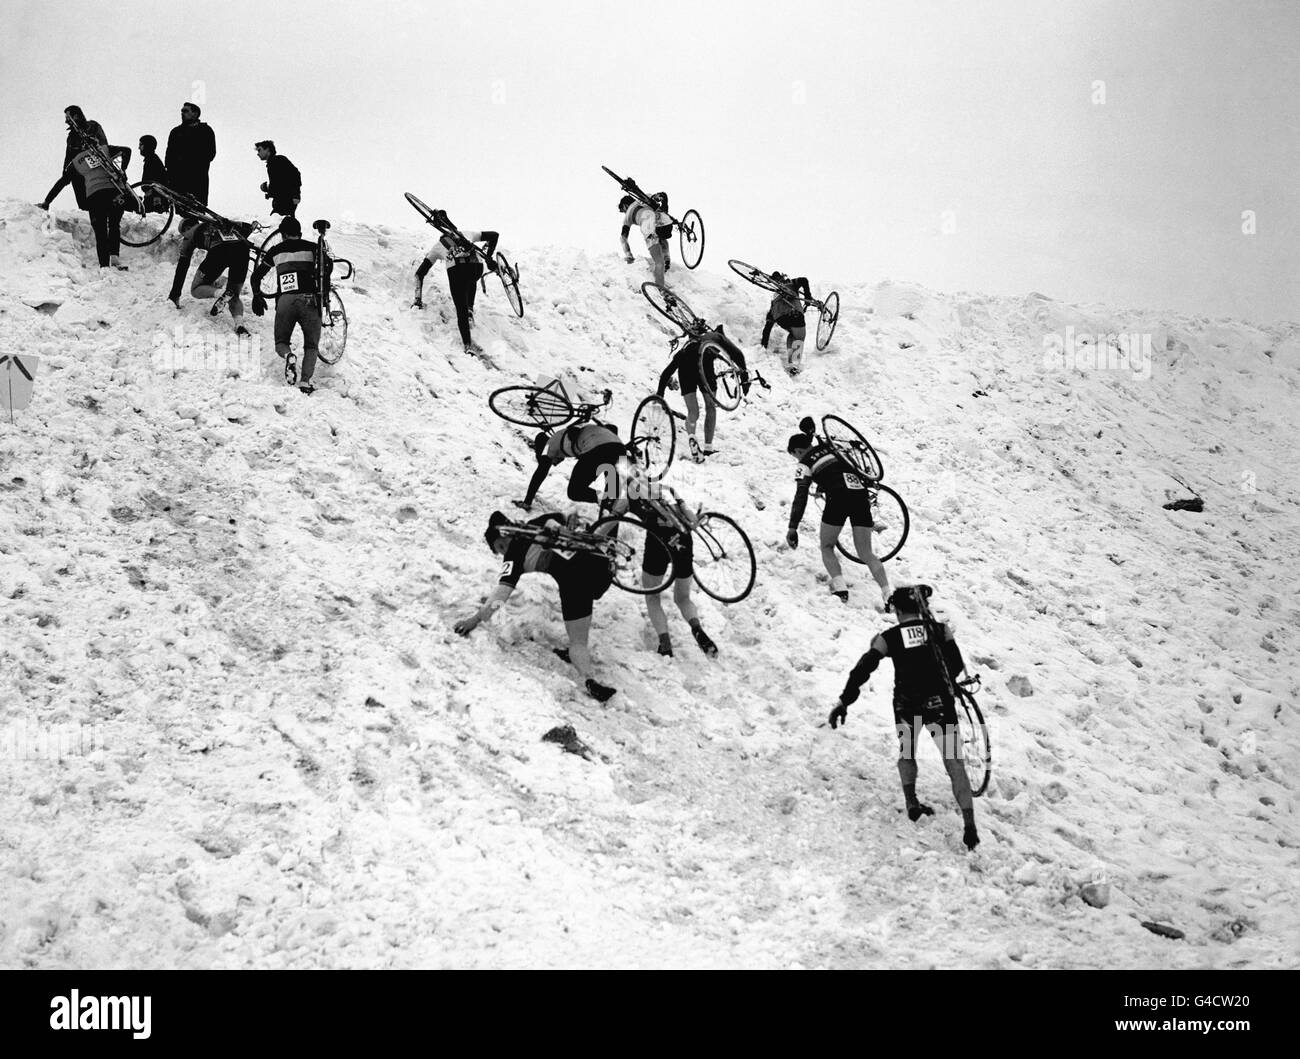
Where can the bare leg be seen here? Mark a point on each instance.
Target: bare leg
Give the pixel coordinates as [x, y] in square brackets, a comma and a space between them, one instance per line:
[579, 654]
[682, 597]
[692, 411]
[654, 605]
[829, 535]
[710, 417]
[658, 257]
[862, 541]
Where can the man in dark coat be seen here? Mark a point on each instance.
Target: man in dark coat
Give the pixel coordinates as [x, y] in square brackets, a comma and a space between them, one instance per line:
[283, 184]
[190, 149]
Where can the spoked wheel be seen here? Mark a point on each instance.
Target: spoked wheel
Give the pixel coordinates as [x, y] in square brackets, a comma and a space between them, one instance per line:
[852, 447]
[147, 228]
[718, 372]
[975, 745]
[628, 542]
[420, 207]
[334, 330]
[830, 316]
[671, 306]
[654, 437]
[531, 406]
[756, 276]
[889, 534]
[723, 558]
[270, 285]
[690, 232]
[510, 281]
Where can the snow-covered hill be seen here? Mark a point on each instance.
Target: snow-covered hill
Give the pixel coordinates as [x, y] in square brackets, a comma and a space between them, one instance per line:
[234, 603]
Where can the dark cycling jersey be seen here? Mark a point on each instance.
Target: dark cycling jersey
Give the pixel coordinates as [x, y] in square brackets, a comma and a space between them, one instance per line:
[686, 363]
[676, 546]
[582, 577]
[577, 441]
[918, 676]
[844, 488]
[294, 261]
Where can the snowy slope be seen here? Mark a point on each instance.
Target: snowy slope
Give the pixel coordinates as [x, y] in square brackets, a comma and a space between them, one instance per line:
[245, 596]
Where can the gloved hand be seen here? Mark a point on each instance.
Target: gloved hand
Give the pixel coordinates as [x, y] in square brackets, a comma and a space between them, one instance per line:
[792, 538]
[259, 305]
[466, 625]
[839, 715]
[263, 185]
[523, 504]
[628, 258]
[175, 299]
[491, 263]
[417, 304]
[46, 206]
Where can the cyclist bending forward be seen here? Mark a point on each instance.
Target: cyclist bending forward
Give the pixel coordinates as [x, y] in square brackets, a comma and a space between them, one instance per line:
[846, 500]
[596, 448]
[655, 226]
[464, 269]
[923, 698]
[581, 578]
[686, 366]
[787, 310]
[670, 523]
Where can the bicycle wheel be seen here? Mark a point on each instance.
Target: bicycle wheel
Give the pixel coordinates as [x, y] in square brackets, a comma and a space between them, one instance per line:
[654, 437]
[720, 375]
[144, 229]
[725, 567]
[830, 316]
[420, 207]
[756, 276]
[690, 237]
[531, 406]
[269, 287]
[334, 331]
[672, 307]
[510, 281]
[976, 748]
[624, 547]
[892, 524]
[852, 448]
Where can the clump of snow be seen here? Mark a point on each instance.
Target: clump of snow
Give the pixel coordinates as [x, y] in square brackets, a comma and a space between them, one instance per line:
[240, 731]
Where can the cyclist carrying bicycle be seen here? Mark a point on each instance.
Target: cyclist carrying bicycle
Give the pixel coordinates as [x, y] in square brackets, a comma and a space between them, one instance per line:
[227, 249]
[926, 662]
[787, 310]
[669, 542]
[655, 226]
[685, 365]
[464, 269]
[846, 500]
[596, 448]
[296, 299]
[582, 578]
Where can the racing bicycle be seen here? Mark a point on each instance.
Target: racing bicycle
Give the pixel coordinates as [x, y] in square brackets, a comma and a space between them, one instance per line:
[508, 273]
[690, 229]
[828, 308]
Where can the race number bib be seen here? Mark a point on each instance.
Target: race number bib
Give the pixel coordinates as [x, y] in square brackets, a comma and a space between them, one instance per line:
[288, 282]
[915, 636]
[801, 472]
[852, 481]
[507, 569]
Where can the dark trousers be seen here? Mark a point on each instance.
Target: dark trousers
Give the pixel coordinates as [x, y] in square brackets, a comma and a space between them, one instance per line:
[589, 468]
[300, 309]
[106, 220]
[463, 281]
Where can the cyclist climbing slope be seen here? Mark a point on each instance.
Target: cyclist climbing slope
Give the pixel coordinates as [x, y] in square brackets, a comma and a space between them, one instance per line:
[927, 661]
[787, 310]
[294, 261]
[464, 270]
[846, 500]
[227, 250]
[581, 578]
[655, 227]
[595, 446]
[685, 365]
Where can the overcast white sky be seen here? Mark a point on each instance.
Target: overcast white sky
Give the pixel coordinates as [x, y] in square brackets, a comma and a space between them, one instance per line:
[828, 137]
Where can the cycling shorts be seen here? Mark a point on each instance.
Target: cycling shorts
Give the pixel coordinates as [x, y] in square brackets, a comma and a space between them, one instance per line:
[581, 580]
[847, 505]
[668, 544]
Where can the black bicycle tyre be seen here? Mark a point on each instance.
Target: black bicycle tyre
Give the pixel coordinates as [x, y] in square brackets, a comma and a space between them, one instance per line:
[334, 335]
[690, 237]
[705, 542]
[851, 447]
[899, 515]
[653, 420]
[753, 275]
[420, 208]
[671, 307]
[531, 406]
[977, 747]
[510, 283]
[626, 556]
[129, 239]
[728, 395]
[830, 311]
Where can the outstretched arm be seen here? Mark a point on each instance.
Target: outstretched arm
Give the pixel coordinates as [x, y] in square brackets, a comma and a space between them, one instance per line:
[544, 466]
[666, 376]
[499, 595]
[767, 329]
[420, 273]
[797, 508]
